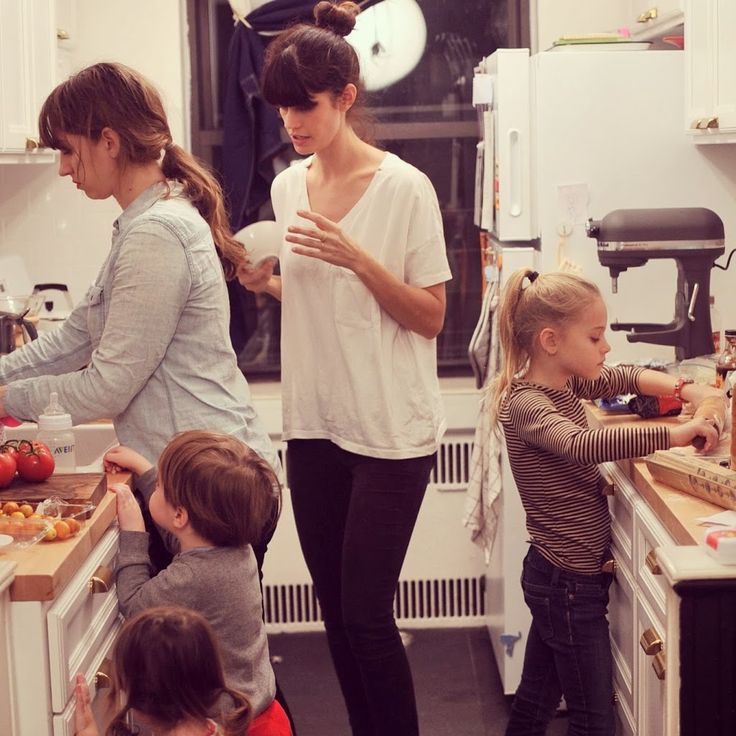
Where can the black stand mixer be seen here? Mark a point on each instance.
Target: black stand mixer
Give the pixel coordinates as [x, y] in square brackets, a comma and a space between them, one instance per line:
[694, 238]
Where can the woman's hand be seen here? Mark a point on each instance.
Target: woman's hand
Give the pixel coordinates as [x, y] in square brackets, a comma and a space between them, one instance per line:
[326, 241]
[256, 278]
[688, 433]
[130, 516]
[84, 722]
[121, 458]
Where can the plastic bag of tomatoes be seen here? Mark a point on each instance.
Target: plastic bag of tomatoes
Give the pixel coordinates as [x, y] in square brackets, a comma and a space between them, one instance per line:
[31, 460]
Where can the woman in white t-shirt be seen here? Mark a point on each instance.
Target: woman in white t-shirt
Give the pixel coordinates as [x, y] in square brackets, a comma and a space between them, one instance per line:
[362, 288]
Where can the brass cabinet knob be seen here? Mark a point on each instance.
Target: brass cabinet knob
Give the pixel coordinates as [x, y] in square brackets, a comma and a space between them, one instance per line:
[647, 15]
[608, 489]
[31, 144]
[651, 642]
[103, 676]
[659, 665]
[62, 35]
[651, 562]
[102, 580]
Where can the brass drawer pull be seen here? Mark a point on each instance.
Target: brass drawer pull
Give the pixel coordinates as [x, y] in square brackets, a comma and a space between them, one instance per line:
[608, 489]
[650, 642]
[103, 676]
[651, 562]
[647, 15]
[31, 144]
[659, 665]
[102, 580]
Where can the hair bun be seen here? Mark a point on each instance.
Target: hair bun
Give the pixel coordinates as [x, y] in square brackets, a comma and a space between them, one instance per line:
[336, 17]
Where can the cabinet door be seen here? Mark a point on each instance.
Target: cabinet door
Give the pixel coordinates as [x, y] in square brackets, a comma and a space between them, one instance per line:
[651, 672]
[27, 68]
[710, 55]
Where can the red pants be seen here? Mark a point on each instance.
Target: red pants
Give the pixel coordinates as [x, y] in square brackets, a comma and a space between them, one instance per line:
[272, 722]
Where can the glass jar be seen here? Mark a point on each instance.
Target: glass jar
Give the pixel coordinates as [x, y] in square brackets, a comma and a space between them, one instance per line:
[726, 362]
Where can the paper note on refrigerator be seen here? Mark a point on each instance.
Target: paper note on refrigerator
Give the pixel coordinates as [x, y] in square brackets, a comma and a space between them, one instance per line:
[573, 202]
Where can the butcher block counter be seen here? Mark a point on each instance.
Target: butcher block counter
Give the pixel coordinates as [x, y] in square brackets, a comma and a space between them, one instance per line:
[671, 604]
[45, 568]
[677, 511]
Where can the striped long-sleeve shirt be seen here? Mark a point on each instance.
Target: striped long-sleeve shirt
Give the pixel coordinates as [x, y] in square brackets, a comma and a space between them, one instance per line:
[554, 454]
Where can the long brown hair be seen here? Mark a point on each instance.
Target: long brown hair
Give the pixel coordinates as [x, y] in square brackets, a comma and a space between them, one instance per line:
[167, 666]
[308, 59]
[529, 302]
[231, 494]
[111, 95]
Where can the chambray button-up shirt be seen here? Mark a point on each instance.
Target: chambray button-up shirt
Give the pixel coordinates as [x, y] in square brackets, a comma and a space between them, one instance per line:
[150, 337]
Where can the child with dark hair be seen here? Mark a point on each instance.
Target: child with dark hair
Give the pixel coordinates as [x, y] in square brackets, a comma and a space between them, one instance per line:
[150, 647]
[215, 497]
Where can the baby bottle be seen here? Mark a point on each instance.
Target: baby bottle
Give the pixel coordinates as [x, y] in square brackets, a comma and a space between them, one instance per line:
[55, 431]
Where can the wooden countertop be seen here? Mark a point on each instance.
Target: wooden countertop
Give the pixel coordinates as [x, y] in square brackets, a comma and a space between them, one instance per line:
[677, 511]
[44, 569]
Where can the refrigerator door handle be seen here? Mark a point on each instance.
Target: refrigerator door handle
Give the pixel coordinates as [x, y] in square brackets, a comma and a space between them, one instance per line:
[515, 172]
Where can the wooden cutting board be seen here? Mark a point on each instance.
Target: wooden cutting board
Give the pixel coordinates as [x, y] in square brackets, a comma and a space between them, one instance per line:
[72, 487]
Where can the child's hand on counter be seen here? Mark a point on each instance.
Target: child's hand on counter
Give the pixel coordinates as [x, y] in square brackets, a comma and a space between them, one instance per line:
[130, 516]
[699, 431]
[121, 458]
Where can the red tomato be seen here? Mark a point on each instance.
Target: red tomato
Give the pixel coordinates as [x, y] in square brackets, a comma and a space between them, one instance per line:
[35, 461]
[9, 448]
[7, 469]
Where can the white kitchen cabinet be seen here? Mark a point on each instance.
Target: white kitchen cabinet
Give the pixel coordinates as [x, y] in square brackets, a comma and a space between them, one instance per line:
[6, 684]
[51, 641]
[710, 52]
[27, 75]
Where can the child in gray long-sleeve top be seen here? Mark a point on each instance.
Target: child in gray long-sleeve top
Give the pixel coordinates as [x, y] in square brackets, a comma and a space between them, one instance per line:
[215, 496]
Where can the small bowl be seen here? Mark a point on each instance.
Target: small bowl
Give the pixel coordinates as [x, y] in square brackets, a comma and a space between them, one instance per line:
[261, 240]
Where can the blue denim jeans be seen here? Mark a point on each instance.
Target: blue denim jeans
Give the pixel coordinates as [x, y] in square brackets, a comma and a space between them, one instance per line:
[568, 652]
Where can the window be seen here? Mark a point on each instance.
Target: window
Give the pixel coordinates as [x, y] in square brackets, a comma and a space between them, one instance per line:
[426, 118]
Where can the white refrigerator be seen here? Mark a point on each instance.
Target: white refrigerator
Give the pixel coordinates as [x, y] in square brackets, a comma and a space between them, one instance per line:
[567, 135]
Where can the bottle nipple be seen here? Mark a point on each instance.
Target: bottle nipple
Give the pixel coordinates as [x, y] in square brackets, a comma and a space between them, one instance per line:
[54, 407]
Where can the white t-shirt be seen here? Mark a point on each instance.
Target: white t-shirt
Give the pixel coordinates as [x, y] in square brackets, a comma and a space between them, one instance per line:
[349, 372]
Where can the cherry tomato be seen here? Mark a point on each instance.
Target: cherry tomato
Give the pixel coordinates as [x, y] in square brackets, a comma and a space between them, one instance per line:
[35, 461]
[7, 469]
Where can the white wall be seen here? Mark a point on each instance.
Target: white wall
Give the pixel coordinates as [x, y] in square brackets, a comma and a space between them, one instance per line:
[60, 234]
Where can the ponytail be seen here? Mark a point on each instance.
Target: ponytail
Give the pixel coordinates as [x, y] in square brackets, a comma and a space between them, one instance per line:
[514, 355]
[204, 192]
[529, 302]
[236, 721]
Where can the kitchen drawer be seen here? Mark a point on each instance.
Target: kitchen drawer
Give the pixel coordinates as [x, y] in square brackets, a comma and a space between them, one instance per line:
[81, 619]
[621, 607]
[96, 674]
[650, 534]
[621, 504]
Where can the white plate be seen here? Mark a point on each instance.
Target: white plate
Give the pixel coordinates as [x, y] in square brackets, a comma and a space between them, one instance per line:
[5, 540]
[261, 240]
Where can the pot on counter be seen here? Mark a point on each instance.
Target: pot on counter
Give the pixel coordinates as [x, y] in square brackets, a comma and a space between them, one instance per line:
[11, 322]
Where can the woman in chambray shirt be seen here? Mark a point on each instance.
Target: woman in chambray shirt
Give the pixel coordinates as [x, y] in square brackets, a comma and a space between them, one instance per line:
[149, 344]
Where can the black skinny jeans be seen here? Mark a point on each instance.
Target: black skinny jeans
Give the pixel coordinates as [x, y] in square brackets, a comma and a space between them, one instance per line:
[355, 516]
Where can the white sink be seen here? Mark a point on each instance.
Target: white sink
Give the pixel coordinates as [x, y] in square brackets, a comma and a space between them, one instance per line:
[92, 441]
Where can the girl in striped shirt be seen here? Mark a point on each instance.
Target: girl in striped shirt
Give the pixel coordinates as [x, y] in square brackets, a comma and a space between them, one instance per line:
[552, 333]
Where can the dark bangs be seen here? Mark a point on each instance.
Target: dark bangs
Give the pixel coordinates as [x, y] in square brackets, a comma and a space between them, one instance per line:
[283, 83]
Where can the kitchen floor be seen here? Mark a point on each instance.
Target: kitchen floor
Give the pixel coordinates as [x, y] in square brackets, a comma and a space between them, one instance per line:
[458, 688]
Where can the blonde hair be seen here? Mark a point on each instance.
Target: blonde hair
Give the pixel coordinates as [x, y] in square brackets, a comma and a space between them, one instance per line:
[530, 302]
